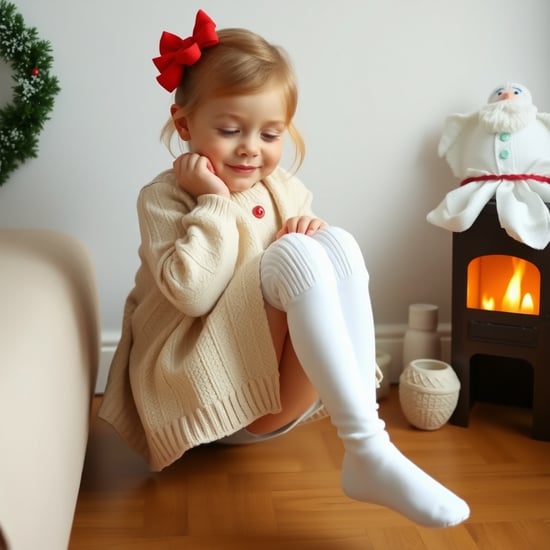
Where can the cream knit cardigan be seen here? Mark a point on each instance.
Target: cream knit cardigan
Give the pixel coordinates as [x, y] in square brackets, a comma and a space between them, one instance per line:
[195, 361]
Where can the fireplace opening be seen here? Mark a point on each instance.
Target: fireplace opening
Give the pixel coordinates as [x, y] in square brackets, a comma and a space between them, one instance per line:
[502, 380]
[499, 282]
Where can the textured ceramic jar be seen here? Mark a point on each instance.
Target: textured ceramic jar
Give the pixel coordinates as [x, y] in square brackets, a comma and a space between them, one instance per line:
[428, 393]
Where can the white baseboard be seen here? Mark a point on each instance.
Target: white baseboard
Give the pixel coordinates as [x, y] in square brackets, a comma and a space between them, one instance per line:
[389, 338]
[109, 341]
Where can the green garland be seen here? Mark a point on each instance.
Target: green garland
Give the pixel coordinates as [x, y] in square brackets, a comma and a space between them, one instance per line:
[22, 120]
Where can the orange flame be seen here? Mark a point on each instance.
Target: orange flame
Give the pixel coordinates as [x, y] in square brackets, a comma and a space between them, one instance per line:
[490, 288]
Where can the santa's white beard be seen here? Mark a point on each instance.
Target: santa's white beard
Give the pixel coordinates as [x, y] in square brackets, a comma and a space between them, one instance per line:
[506, 116]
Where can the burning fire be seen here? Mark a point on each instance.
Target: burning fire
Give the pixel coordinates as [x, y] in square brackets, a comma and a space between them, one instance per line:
[492, 287]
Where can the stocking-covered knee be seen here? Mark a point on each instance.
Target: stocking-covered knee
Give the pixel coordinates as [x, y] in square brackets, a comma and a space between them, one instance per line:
[292, 265]
[342, 250]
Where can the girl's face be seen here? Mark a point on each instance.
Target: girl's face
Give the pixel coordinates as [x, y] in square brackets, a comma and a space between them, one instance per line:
[242, 136]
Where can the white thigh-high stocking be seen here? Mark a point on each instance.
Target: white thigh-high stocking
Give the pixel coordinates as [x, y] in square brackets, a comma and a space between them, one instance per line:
[298, 277]
[353, 290]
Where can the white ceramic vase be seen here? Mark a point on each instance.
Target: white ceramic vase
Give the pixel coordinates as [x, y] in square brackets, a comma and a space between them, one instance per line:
[428, 393]
[383, 360]
[421, 340]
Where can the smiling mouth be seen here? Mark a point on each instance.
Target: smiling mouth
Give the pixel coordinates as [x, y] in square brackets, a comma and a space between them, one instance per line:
[243, 169]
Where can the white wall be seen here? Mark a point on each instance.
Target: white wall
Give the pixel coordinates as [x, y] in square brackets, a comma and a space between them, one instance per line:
[377, 79]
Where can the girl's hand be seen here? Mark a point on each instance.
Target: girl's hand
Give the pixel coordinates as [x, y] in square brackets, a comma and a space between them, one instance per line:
[301, 224]
[195, 174]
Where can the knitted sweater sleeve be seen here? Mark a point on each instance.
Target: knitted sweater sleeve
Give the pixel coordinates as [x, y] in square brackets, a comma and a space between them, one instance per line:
[190, 248]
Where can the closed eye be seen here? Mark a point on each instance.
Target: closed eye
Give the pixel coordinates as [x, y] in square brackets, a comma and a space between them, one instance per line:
[228, 132]
[270, 137]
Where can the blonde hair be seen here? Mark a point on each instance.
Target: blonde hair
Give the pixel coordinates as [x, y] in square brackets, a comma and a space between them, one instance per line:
[241, 63]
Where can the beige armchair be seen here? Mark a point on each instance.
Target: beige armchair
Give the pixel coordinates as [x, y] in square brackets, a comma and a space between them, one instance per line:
[48, 365]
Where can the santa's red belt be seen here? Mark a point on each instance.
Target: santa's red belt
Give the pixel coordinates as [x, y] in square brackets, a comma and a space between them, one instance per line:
[508, 177]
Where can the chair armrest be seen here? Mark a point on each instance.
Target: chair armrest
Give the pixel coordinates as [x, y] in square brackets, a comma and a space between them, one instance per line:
[49, 348]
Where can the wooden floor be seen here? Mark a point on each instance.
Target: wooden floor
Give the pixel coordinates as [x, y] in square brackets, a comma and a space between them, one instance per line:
[284, 494]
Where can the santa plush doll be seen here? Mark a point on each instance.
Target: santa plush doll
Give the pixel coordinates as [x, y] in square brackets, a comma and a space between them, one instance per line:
[500, 151]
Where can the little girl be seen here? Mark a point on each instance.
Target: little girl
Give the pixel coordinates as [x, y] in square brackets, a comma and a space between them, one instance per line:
[249, 313]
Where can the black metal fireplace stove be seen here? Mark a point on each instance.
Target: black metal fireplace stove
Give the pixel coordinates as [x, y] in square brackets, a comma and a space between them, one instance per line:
[500, 356]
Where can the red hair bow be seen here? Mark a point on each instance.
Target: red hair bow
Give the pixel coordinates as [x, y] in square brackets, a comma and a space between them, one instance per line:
[176, 52]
